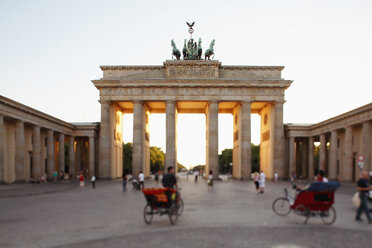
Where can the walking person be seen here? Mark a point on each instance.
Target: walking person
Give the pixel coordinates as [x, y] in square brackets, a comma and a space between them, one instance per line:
[210, 180]
[93, 179]
[125, 178]
[262, 182]
[141, 178]
[196, 174]
[81, 179]
[157, 177]
[363, 189]
[62, 176]
[257, 180]
[276, 176]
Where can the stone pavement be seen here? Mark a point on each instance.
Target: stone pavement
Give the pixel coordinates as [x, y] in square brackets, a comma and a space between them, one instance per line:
[232, 215]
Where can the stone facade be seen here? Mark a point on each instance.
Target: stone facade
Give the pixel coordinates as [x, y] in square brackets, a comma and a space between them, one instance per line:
[32, 144]
[339, 141]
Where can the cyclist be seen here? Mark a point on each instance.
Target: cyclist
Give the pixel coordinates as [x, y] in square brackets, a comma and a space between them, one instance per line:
[170, 181]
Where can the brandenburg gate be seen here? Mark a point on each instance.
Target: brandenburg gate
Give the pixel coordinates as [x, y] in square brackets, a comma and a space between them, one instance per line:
[192, 86]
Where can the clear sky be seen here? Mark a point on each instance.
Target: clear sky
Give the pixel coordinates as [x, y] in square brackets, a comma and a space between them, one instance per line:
[50, 50]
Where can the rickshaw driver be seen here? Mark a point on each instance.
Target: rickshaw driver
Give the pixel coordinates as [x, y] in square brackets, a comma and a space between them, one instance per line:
[169, 181]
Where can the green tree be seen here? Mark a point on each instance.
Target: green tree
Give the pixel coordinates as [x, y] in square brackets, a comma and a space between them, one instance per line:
[198, 167]
[255, 158]
[224, 160]
[127, 157]
[180, 167]
[157, 157]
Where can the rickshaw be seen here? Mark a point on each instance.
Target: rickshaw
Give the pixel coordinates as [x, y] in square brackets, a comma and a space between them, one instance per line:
[162, 201]
[315, 200]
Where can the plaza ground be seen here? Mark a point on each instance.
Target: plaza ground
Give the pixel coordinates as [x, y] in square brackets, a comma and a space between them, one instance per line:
[232, 215]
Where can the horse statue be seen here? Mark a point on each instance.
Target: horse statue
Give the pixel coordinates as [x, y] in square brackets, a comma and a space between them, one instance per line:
[184, 51]
[200, 50]
[175, 51]
[209, 52]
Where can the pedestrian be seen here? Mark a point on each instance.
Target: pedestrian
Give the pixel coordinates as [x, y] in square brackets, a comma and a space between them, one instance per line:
[363, 189]
[293, 177]
[93, 179]
[276, 176]
[196, 174]
[81, 179]
[55, 175]
[157, 177]
[61, 176]
[321, 177]
[262, 182]
[141, 178]
[257, 180]
[125, 178]
[210, 180]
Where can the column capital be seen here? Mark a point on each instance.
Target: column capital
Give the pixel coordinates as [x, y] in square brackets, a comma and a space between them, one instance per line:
[137, 102]
[280, 102]
[246, 102]
[213, 102]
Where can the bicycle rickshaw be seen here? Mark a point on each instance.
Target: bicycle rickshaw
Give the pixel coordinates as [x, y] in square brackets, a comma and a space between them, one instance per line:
[162, 201]
[316, 200]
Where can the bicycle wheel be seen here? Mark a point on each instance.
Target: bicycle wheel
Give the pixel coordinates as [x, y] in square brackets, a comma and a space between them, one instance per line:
[173, 214]
[301, 214]
[180, 207]
[281, 206]
[328, 217]
[148, 213]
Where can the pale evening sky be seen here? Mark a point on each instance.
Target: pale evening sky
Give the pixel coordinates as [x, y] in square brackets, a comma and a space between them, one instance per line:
[50, 50]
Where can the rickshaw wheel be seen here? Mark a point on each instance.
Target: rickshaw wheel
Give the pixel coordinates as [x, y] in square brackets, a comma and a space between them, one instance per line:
[180, 207]
[148, 213]
[328, 217]
[281, 206]
[301, 214]
[173, 214]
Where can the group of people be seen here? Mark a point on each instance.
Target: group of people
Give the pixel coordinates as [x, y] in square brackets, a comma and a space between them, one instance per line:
[38, 180]
[259, 181]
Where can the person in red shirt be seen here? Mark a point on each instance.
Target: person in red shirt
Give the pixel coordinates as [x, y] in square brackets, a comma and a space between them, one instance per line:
[81, 179]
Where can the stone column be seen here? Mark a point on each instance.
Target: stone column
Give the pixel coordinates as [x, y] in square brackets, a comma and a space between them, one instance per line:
[50, 154]
[245, 142]
[91, 157]
[61, 152]
[171, 152]
[346, 169]
[311, 158]
[366, 145]
[291, 156]
[71, 156]
[2, 141]
[297, 160]
[20, 151]
[78, 156]
[332, 168]
[138, 137]
[279, 140]
[322, 152]
[212, 138]
[304, 158]
[36, 152]
[105, 141]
